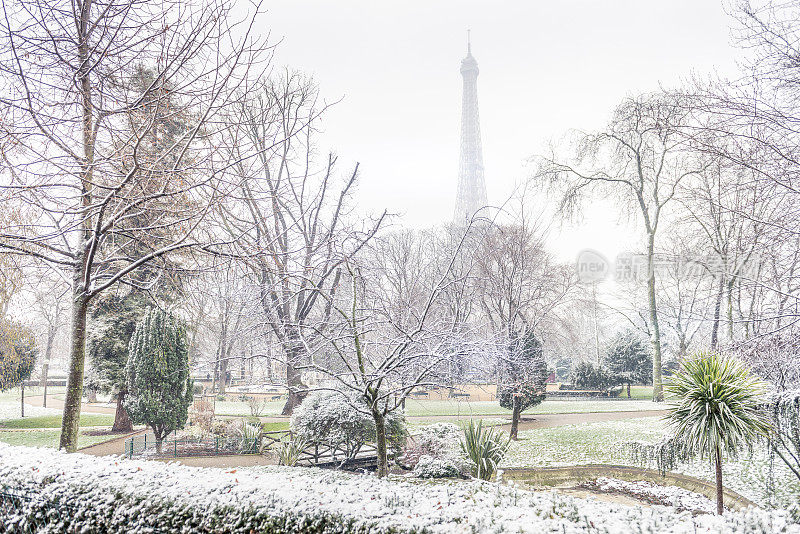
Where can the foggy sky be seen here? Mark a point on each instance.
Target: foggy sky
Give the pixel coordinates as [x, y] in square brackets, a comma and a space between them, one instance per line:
[545, 67]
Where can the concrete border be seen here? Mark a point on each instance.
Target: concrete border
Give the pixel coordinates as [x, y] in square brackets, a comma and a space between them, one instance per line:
[558, 476]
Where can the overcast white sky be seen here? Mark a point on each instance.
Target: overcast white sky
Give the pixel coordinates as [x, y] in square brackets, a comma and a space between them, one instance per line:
[545, 67]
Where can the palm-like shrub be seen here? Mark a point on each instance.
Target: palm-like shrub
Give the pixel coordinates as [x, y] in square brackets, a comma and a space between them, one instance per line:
[715, 409]
[290, 451]
[485, 448]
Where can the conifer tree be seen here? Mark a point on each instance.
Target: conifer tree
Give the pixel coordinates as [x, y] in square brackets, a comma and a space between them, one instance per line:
[159, 386]
[523, 377]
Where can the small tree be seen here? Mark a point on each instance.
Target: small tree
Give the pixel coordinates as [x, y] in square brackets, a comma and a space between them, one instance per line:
[629, 360]
[159, 386]
[715, 409]
[344, 421]
[18, 353]
[522, 379]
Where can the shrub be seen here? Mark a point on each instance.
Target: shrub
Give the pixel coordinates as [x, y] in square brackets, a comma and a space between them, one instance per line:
[485, 448]
[430, 467]
[437, 440]
[290, 451]
[587, 375]
[344, 422]
[256, 405]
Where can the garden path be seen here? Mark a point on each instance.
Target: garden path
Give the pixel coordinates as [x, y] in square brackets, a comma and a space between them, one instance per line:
[55, 402]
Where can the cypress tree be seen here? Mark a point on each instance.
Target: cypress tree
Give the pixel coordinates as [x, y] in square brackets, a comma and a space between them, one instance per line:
[159, 386]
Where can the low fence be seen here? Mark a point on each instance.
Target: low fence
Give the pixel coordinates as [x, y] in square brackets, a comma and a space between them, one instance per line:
[145, 445]
[24, 513]
[327, 454]
[315, 454]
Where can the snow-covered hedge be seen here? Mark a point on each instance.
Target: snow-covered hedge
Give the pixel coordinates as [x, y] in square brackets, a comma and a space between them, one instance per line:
[434, 452]
[430, 467]
[343, 421]
[111, 494]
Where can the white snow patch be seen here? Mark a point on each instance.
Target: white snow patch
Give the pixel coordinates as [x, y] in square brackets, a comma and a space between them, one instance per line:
[437, 507]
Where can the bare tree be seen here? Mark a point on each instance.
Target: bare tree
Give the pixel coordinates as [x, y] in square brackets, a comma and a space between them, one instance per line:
[290, 217]
[113, 108]
[521, 292]
[51, 307]
[641, 158]
[380, 355]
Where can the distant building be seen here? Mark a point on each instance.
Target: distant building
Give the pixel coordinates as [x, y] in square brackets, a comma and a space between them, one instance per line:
[471, 195]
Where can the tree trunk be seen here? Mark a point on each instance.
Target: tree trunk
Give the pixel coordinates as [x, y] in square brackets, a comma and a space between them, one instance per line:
[22, 397]
[717, 308]
[515, 414]
[223, 374]
[730, 308]
[629, 390]
[122, 421]
[297, 390]
[380, 443]
[655, 338]
[51, 334]
[718, 468]
[72, 401]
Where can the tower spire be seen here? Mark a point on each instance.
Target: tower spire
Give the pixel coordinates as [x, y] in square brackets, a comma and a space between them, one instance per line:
[471, 194]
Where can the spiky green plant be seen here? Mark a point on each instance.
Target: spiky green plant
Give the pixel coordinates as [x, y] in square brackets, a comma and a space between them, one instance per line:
[290, 451]
[485, 448]
[715, 409]
[250, 437]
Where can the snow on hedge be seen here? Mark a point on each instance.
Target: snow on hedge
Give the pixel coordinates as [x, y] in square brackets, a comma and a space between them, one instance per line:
[113, 494]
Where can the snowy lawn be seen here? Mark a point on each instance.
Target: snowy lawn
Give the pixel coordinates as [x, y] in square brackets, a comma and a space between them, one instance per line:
[54, 421]
[114, 494]
[598, 443]
[678, 498]
[429, 408]
[10, 405]
[415, 407]
[414, 425]
[46, 438]
[235, 407]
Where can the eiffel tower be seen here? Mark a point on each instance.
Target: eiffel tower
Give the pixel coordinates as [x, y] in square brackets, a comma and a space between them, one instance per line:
[471, 194]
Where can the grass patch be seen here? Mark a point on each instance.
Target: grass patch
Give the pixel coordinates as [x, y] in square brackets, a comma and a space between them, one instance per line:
[272, 427]
[54, 421]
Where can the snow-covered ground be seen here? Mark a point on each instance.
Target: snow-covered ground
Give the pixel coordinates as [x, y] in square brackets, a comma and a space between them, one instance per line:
[10, 409]
[600, 443]
[134, 494]
[678, 498]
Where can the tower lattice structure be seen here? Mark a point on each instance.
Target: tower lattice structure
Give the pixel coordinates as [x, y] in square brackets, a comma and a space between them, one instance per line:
[471, 194]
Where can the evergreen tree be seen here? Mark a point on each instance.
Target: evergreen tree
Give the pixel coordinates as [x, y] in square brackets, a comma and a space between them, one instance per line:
[157, 372]
[111, 326]
[522, 378]
[589, 376]
[629, 360]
